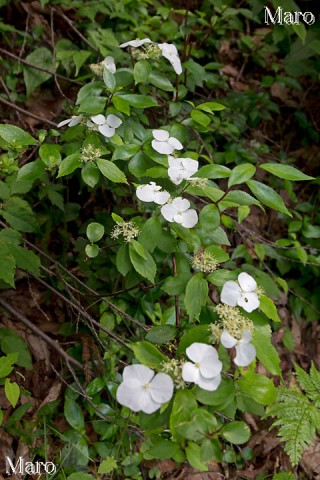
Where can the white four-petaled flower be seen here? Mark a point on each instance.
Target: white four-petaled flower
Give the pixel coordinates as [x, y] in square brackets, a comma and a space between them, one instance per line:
[136, 43]
[246, 352]
[178, 211]
[170, 52]
[151, 192]
[71, 122]
[108, 62]
[241, 293]
[106, 125]
[142, 390]
[181, 169]
[205, 371]
[163, 143]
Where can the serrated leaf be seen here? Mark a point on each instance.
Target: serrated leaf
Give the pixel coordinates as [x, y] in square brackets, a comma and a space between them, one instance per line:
[285, 171]
[40, 57]
[111, 171]
[146, 267]
[15, 137]
[19, 215]
[241, 174]
[268, 307]
[161, 334]
[8, 264]
[107, 466]
[196, 295]
[25, 259]
[69, 165]
[148, 354]
[268, 196]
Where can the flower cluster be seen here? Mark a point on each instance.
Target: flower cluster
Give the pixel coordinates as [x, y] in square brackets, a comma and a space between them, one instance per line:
[129, 231]
[152, 50]
[173, 367]
[89, 153]
[204, 262]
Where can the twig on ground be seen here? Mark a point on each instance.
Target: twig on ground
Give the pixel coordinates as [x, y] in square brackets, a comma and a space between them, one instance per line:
[80, 35]
[28, 114]
[41, 334]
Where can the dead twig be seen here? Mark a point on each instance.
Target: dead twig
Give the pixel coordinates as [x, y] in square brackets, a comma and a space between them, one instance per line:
[40, 333]
[28, 114]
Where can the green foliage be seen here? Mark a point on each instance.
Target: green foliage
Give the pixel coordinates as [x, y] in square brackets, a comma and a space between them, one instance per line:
[297, 413]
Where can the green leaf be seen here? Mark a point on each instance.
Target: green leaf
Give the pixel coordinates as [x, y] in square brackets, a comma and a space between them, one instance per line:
[109, 79]
[183, 409]
[79, 59]
[193, 453]
[285, 171]
[225, 392]
[160, 82]
[214, 171]
[73, 414]
[11, 342]
[93, 89]
[111, 171]
[161, 334]
[92, 105]
[92, 251]
[221, 276]
[236, 432]
[200, 118]
[12, 392]
[69, 164]
[124, 152]
[146, 267]
[301, 31]
[19, 215]
[25, 259]
[268, 307]
[148, 354]
[164, 449]
[150, 233]
[241, 174]
[209, 218]
[6, 364]
[139, 249]
[95, 232]
[176, 285]
[258, 387]
[31, 171]
[121, 105]
[8, 264]
[50, 155]
[139, 101]
[123, 262]
[268, 196]
[218, 252]
[80, 476]
[141, 71]
[240, 198]
[211, 107]
[107, 466]
[90, 175]
[199, 333]
[196, 295]
[15, 137]
[33, 78]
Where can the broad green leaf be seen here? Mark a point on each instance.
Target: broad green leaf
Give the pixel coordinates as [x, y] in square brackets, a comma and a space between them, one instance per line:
[268, 196]
[146, 267]
[183, 409]
[198, 333]
[92, 105]
[33, 78]
[148, 354]
[12, 392]
[9, 235]
[109, 79]
[241, 174]
[196, 295]
[141, 71]
[93, 89]
[214, 171]
[285, 171]
[201, 424]
[236, 432]
[225, 392]
[79, 59]
[121, 105]
[50, 155]
[258, 387]
[139, 101]
[15, 137]
[268, 307]
[6, 364]
[219, 253]
[150, 233]
[11, 342]
[209, 218]
[25, 259]
[8, 264]
[193, 453]
[240, 198]
[200, 117]
[163, 449]
[123, 262]
[160, 82]
[221, 276]
[301, 31]
[107, 465]
[69, 164]
[211, 107]
[73, 414]
[92, 251]
[139, 249]
[95, 232]
[19, 215]
[176, 285]
[90, 175]
[124, 152]
[111, 171]
[31, 171]
[161, 334]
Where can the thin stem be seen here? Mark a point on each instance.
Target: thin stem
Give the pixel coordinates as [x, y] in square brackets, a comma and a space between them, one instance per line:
[176, 298]
[27, 113]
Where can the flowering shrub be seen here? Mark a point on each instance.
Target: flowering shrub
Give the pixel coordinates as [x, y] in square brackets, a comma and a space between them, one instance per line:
[136, 135]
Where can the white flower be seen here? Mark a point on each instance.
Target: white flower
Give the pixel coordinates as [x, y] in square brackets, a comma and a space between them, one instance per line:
[241, 293]
[246, 352]
[135, 43]
[170, 52]
[178, 211]
[106, 125]
[163, 143]
[71, 122]
[181, 169]
[205, 371]
[142, 390]
[152, 193]
[108, 62]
